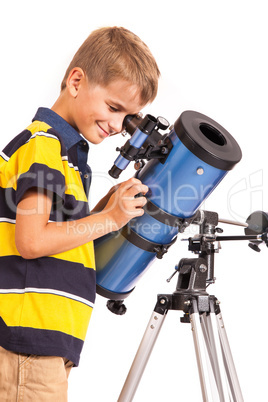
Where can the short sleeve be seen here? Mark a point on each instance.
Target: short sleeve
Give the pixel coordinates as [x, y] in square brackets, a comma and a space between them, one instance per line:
[39, 164]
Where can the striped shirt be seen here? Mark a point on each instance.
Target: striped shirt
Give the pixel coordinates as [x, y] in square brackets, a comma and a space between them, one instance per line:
[45, 303]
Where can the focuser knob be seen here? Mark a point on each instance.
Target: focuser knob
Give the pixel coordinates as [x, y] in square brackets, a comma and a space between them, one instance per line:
[162, 123]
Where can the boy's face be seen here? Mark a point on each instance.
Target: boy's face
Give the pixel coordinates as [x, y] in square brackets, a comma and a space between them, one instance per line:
[98, 111]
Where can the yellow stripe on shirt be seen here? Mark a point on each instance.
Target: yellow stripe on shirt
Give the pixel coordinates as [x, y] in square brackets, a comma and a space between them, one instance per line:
[39, 312]
[7, 234]
[83, 253]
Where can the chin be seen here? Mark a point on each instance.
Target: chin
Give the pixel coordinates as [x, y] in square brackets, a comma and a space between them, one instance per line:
[97, 141]
[93, 138]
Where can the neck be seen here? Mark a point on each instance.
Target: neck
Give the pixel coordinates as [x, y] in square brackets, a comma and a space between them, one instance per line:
[62, 108]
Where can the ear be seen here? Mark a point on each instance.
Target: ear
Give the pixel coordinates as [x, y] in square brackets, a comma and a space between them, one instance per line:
[75, 80]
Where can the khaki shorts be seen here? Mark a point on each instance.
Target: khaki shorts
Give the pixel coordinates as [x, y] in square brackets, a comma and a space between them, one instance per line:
[31, 378]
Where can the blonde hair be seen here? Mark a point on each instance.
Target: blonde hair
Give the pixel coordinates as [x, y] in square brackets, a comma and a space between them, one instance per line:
[112, 53]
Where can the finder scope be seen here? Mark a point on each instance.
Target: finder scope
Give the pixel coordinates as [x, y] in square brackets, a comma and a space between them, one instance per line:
[144, 134]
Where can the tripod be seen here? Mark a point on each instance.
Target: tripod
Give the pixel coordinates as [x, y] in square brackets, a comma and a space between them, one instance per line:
[217, 373]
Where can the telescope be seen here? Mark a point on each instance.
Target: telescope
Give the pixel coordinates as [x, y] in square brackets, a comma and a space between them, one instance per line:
[183, 167]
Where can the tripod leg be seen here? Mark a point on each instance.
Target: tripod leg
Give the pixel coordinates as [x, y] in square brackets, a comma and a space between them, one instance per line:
[216, 356]
[228, 361]
[142, 357]
[201, 356]
[211, 348]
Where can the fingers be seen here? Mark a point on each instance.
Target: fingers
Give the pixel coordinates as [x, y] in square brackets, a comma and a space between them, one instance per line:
[132, 187]
[123, 205]
[131, 195]
[134, 203]
[139, 204]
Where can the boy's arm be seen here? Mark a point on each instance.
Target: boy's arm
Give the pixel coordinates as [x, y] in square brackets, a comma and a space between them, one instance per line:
[103, 202]
[37, 237]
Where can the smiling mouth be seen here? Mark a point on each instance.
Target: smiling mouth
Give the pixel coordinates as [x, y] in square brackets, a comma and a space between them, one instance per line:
[103, 131]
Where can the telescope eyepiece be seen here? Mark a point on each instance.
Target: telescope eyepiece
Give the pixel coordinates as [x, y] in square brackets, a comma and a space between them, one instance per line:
[131, 122]
[115, 172]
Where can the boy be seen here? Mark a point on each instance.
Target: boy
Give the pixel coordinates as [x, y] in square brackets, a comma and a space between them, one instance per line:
[47, 286]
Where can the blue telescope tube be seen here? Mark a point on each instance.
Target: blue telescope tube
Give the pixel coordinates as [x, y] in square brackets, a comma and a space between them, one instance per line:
[203, 152]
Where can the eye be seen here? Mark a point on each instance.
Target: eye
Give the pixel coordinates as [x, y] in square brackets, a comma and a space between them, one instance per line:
[113, 109]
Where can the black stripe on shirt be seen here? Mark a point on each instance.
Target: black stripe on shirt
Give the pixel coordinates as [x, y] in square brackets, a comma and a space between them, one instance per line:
[40, 342]
[48, 273]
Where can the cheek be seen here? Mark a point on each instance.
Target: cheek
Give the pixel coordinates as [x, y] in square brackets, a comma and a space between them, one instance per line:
[84, 109]
[85, 118]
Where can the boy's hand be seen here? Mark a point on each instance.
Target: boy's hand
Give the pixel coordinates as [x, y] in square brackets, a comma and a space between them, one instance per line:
[36, 237]
[123, 205]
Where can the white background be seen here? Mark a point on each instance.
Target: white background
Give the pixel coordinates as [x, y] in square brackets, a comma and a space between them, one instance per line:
[213, 59]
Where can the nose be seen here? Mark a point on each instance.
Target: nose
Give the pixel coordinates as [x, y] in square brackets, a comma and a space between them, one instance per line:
[116, 124]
